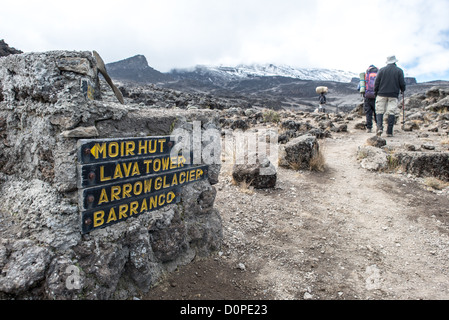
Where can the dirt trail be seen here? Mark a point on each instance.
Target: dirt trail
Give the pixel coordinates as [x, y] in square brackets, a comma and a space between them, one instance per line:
[345, 233]
[384, 229]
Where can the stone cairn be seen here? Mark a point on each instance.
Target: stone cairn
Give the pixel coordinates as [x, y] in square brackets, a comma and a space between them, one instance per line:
[48, 103]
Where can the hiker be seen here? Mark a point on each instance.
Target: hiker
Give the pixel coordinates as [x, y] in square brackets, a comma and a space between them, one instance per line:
[369, 105]
[389, 82]
[322, 99]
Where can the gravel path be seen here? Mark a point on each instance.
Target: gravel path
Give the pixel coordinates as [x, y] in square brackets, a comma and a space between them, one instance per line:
[345, 233]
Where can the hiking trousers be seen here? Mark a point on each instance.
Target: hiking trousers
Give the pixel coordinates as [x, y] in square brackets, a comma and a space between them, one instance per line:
[386, 105]
[369, 108]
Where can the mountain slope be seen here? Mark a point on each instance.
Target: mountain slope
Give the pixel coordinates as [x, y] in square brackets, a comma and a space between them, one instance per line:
[6, 50]
[136, 69]
[241, 72]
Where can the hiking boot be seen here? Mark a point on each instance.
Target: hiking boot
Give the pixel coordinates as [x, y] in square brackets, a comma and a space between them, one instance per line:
[391, 119]
[368, 130]
[380, 126]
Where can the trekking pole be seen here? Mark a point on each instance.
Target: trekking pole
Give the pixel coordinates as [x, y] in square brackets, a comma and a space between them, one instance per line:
[403, 111]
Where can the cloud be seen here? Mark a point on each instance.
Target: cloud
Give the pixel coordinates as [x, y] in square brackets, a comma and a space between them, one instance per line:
[347, 35]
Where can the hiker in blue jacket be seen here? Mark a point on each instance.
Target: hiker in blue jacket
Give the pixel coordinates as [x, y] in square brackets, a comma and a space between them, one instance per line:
[389, 82]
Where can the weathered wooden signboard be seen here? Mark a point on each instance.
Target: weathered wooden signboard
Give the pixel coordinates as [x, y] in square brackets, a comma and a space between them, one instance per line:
[123, 178]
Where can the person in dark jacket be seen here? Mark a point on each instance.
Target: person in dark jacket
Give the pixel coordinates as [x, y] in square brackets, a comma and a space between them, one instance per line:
[322, 105]
[389, 82]
[369, 102]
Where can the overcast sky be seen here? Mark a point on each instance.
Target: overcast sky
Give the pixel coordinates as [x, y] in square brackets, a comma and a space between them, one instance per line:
[346, 35]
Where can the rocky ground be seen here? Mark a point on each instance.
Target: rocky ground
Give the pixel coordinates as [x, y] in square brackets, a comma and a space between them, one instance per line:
[341, 233]
[359, 226]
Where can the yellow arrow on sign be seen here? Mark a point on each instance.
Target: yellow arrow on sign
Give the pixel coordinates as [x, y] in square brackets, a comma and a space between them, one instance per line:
[94, 151]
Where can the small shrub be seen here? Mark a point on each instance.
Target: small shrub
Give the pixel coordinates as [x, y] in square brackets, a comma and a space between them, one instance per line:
[362, 154]
[271, 116]
[392, 162]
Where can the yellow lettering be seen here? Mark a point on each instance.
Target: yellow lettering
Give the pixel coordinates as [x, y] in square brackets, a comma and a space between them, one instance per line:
[182, 177]
[112, 216]
[130, 146]
[148, 162]
[136, 171]
[147, 186]
[101, 150]
[173, 163]
[199, 174]
[161, 143]
[118, 172]
[115, 193]
[113, 149]
[123, 209]
[144, 206]
[153, 202]
[127, 169]
[157, 183]
[191, 175]
[161, 200]
[165, 183]
[165, 163]
[138, 187]
[102, 177]
[174, 181]
[122, 149]
[142, 148]
[133, 207]
[181, 161]
[170, 197]
[127, 188]
[103, 197]
[98, 218]
[157, 165]
[152, 146]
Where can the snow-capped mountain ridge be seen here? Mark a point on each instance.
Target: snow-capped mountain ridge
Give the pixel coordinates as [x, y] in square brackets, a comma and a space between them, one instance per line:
[241, 72]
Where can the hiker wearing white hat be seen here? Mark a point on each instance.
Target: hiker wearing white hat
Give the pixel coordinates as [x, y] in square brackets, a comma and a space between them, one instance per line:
[392, 59]
[389, 82]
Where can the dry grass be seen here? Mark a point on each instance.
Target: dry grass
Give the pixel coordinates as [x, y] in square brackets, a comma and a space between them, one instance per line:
[393, 162]
[435, 183]
[318, 162]
[295, 166]
[245, 187]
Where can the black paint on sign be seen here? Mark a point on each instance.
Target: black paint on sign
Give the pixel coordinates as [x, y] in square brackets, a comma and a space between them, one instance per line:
[114, 193]
[129, 208]
[112, 172]
[94, 151]
[125, 177]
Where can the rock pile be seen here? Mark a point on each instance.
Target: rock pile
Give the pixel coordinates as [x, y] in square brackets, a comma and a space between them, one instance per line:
[426, 114]
[153, 96]
[428, 111]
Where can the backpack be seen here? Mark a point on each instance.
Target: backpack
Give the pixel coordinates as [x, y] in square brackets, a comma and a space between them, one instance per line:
[370, 79]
